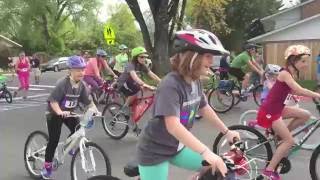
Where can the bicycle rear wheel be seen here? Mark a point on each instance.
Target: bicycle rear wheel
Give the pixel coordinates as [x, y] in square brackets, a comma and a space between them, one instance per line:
[115, 122]
[34, 153]
[96, 163]
[221, 101]
[314, 165]
[7, 95]
[258, 151]
[257, 94]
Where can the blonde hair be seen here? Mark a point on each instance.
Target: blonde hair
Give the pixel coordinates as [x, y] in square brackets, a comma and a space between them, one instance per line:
[185, 64]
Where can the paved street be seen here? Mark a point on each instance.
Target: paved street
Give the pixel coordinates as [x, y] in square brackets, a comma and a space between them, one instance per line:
[20, 118]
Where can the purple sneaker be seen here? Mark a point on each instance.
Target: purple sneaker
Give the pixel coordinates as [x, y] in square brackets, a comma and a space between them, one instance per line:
[46, 172]
[271, 175]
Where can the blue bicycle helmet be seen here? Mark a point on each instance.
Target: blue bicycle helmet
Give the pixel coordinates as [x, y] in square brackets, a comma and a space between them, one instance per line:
[101, 52]
[76, 62]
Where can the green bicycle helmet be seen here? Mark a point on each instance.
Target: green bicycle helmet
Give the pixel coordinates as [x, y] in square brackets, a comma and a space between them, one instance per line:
[137, 51]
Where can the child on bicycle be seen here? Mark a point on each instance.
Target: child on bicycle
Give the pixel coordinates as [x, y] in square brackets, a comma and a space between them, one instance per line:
[167, 138]
[129, 82]
[273, 111]
[64, 98]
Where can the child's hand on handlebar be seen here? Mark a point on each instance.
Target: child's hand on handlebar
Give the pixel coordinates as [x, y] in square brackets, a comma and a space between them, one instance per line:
[216, 162]
[152, 88]
[64, 114]
[232, 136]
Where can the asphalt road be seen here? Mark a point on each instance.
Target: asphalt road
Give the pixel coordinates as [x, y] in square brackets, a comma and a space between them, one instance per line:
[19, 119]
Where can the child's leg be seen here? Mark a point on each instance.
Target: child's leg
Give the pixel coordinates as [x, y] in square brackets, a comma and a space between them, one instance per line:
[187, 159]
[160, 171]
[280, 128]
[300, 116]
[54, 124]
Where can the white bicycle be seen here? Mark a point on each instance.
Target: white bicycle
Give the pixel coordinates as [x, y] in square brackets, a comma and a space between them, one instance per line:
[248, 118]
[88, 160]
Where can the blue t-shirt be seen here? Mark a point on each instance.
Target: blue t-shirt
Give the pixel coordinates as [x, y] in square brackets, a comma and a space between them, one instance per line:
[318, 62]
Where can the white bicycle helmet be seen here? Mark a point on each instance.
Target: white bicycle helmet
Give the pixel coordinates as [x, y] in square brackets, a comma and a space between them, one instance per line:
[272, 69]
[197, 40]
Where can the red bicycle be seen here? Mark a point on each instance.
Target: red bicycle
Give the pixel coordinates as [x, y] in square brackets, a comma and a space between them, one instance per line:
[116, 120]
[108, 93]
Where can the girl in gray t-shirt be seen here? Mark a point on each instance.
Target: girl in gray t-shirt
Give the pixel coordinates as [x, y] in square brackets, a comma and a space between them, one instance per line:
[65, 97]
[166, 138]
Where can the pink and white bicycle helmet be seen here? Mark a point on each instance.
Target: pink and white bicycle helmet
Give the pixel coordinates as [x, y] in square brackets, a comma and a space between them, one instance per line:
[198, 40]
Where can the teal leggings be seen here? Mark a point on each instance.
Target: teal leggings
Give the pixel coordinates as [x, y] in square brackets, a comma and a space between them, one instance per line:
[186, 159]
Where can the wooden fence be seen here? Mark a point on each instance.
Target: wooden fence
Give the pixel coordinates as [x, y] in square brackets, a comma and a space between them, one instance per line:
[274, 54]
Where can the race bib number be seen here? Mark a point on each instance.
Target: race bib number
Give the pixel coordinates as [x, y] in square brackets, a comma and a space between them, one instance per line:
[291, 100]
[24, 69]
[70, 104]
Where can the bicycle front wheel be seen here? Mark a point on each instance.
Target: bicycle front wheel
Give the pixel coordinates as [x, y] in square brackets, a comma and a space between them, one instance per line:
[34, 153]
[258, 151]
[221, 101]
[115, 122]
[314, 165]
[94, 162]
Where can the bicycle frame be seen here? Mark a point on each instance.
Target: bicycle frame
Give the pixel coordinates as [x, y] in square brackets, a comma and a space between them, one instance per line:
[139, 106]
[315, 124]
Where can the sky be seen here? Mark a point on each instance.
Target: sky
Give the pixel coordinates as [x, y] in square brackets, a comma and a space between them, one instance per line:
[103, 15]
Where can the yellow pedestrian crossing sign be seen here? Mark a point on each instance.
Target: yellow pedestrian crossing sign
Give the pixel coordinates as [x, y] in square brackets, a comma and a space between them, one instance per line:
[109, 34]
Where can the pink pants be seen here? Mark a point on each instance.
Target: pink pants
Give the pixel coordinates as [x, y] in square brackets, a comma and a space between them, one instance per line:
[24, 80]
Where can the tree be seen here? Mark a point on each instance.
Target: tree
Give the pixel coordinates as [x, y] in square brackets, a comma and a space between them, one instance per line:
[122, 22]
[209, 15]
[240, 14]
[45, 24]
[166, 15]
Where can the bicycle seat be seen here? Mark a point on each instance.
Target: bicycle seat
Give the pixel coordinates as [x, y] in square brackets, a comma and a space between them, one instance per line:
[131, 169]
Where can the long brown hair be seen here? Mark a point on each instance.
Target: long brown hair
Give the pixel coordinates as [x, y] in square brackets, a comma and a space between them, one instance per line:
[181, 63]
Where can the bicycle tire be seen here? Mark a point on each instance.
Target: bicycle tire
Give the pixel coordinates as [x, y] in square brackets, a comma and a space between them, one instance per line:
[92, 144]
[7, 96]
[104, 123]
[257, 94]
[315, 157]
[261, 139]
[228, 107]
[237, 97]
[30, 137]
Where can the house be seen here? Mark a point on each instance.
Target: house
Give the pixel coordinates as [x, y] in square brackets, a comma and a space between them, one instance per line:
[7, 48]
[6, 43]
[296, 25]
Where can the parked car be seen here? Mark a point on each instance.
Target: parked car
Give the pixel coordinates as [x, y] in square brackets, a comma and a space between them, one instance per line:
[55, 65]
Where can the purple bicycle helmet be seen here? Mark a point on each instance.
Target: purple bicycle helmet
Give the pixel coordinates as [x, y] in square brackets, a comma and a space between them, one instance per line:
[76, 62]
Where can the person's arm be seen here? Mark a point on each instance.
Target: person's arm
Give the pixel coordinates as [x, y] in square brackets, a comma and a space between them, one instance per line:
[208, 113]
[296, 88]
[136, 78]
[270, 84]
[176, 129]
[107, 67]
[154, 76]
[253, 67]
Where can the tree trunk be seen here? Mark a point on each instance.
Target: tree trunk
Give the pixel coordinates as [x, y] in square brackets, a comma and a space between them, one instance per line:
[161, 40]
[45, 29]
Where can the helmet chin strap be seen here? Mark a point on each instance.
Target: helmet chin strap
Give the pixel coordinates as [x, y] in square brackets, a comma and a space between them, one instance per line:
[192, 60]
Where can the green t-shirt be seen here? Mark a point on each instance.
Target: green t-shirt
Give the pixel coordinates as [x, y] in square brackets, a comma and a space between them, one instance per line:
[121, 62]
[241, 61]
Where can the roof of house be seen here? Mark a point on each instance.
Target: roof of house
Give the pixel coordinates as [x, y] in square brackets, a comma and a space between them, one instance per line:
[286, 10]
[10, 41]
[255, 39]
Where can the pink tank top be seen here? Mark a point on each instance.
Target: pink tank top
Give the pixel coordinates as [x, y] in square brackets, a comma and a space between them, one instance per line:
[93, 65]
[23, 66]
[274, 103]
